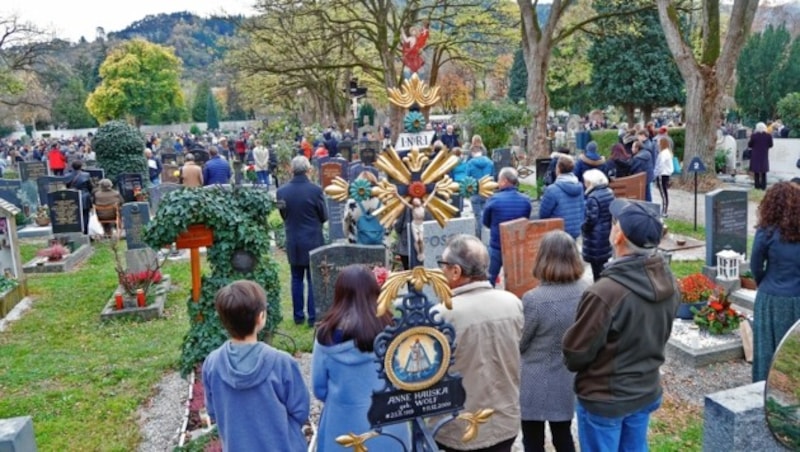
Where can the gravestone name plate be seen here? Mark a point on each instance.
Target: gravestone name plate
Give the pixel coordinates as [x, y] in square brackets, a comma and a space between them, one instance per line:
[519, 241]
[32, 170]
[726, 223]
[66, 211]
[49, 184]
[135, 215]
[9, 189]
[435, 237]
[327, 261]
[128, 183]
[335, 214]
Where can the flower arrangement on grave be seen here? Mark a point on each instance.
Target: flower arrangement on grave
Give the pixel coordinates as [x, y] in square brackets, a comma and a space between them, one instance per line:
[696, 288]
[42, 216]
[54, 252]
[718, 317]
[250, 173]
[131, 282]
[139, 194]
[381, 274]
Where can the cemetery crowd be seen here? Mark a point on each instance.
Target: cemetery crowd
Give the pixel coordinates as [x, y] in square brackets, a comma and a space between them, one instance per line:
[562, 350]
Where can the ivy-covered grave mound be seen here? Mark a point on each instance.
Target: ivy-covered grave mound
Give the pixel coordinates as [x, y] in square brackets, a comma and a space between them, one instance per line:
[240, 250]
[119, 147]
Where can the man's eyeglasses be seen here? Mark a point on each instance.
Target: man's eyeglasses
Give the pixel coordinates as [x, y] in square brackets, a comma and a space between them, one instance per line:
[443, 263]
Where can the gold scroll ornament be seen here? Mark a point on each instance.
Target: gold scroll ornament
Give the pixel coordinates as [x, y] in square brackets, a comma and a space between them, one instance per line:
[414, 91]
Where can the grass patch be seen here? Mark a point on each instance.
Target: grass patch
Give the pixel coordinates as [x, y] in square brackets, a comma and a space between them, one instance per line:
[302, 335]
[685, 228]
[676, 426]
[82, 380]
[756, 196]
[529, 190]
[681, 269]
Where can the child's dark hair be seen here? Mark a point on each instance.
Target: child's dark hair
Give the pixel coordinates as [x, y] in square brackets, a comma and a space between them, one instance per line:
[239, 304]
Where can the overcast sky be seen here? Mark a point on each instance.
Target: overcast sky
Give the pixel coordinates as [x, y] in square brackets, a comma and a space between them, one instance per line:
[71, 19]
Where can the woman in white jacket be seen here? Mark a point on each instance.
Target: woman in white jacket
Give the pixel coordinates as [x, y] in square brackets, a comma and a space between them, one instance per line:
[663, 170]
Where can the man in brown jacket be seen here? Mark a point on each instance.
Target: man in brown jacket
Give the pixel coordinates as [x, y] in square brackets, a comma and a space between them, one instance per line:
[191, 173]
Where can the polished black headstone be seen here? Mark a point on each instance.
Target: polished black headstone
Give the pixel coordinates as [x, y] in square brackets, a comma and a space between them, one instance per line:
[32, 170]
[128, 183]
[726, 223]
[327, 261]
[49, 184]
[66, 211]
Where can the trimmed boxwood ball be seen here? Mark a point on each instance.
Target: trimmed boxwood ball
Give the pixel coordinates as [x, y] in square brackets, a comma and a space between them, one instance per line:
[120, 149]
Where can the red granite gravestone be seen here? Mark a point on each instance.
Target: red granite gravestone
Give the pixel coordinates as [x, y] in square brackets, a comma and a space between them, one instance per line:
[631, 187]
[519, 242]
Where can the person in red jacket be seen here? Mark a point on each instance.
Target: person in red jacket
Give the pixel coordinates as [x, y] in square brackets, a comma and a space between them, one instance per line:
[57, 160]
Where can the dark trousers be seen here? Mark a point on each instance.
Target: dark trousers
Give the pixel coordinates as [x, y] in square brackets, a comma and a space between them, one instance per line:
[533, 436]
[597, 267]
[300, 272]
[760, 181]
[663, 189]
[86, 221]
[505, 446]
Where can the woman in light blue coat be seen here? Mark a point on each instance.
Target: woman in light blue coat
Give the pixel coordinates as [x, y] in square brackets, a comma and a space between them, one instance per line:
[343, 371]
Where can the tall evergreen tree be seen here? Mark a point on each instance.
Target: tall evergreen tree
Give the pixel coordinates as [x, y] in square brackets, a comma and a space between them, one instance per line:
[212, 116]
[762, 70]
[518, 78]
[632, 65]
[200, 104]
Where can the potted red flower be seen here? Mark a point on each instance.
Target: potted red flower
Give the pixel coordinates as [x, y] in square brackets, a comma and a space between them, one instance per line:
[695, 291]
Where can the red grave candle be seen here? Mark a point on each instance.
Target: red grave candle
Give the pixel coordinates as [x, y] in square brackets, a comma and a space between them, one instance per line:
[140, 298]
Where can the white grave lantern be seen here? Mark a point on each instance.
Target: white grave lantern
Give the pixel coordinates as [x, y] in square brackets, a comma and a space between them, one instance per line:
[728, 265]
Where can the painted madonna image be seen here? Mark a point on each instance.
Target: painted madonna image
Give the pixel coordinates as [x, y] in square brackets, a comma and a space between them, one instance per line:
[417, 358]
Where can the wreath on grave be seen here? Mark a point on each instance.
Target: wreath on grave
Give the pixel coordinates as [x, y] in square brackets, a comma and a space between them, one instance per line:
[238, 216]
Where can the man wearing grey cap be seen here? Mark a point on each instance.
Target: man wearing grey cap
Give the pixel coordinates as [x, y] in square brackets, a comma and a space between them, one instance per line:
[622, 325]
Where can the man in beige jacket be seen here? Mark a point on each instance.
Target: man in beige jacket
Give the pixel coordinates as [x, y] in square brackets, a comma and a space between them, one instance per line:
[191, 173]
[488, 324]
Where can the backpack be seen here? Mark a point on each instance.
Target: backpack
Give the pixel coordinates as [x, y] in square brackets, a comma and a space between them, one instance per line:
[369, 230]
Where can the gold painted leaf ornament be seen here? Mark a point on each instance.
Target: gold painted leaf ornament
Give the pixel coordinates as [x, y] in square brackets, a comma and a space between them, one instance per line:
[473, 421]
[418, 277]
[414, 91]
[356, 441]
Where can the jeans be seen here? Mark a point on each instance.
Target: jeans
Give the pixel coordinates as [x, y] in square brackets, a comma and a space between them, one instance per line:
[477, 209]
[625, 433]
[663, 188]
[262, 177]
[495, 264]
[648, 193]
[533, 436]
[298, 272]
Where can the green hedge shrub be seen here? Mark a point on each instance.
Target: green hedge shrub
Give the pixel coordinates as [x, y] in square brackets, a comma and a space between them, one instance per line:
[120, 149]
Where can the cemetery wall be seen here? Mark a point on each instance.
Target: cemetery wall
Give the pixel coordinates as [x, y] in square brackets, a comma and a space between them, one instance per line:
[175, 128]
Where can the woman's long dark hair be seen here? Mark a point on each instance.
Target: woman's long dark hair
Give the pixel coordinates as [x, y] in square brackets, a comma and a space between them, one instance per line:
[353, 311]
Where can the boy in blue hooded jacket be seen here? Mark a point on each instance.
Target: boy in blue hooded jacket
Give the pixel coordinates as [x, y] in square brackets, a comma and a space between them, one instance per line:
[254, 393]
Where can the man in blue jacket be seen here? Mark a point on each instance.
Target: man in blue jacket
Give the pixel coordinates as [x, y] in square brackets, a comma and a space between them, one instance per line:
[564, 198]
[302, 206]
[505, 205]
[478, 166]
[216, 170]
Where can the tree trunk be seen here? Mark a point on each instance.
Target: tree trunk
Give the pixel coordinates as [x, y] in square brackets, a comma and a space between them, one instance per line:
[539, 105]
[703, 98]
[630, 114]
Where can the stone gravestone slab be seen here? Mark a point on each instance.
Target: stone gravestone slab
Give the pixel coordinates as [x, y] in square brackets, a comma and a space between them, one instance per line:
[335, 216]
[519, 241]
[501, 158]
[368, 152]
[327, 261]
[32, 170]
[134, 216]
[16, 435]
[127, 183]
[66, 211]
[329, 170]
[435, 237]
[169, 158]
[49, 184]
[734, 420]
[726, 223]
[96, 174]
[9, 191]
[157, 192]
[345, 149]
[630, 187]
